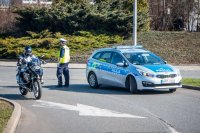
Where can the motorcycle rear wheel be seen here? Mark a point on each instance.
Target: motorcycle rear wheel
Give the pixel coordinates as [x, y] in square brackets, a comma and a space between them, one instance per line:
[37, 89]
[23, 91]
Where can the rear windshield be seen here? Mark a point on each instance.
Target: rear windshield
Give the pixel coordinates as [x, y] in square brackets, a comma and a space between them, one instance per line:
[147, 58]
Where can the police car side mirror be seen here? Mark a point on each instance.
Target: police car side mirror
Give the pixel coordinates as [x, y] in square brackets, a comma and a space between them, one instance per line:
[125, 64]
[122, 64]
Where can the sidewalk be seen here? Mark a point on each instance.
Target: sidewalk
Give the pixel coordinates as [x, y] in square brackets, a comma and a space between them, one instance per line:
[83, 66]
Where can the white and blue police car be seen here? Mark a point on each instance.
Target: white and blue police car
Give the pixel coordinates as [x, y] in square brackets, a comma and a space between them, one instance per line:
[131, 67]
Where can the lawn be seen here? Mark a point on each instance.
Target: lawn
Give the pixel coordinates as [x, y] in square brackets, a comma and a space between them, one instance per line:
[5, 113]
[191, 81]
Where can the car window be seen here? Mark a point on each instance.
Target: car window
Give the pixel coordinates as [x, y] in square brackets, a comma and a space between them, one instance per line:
[117, 58]
[97, 55]
[143, 58]
[151, 59]
[106, 57]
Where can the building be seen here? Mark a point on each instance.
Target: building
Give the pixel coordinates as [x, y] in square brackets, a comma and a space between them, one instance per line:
[9, 3]
[7, 17]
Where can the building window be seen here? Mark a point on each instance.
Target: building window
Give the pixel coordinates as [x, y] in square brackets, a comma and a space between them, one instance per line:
[29, 1]
[5, 3]
[45, 2]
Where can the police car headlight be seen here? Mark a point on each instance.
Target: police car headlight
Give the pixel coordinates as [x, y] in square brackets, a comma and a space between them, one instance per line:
[178, 73]
[146, 74]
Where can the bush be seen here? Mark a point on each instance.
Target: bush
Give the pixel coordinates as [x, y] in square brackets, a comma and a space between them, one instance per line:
[47, 43]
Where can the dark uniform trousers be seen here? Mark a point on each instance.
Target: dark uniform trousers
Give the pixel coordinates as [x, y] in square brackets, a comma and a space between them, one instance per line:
[63, 69]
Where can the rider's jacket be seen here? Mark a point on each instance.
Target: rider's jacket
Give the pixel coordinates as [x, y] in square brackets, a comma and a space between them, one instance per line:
[24, 60]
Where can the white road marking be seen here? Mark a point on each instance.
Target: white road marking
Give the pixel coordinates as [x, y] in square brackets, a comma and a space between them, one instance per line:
[84, 110]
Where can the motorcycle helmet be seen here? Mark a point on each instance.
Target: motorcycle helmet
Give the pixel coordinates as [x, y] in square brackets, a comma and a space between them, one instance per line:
[28, 51]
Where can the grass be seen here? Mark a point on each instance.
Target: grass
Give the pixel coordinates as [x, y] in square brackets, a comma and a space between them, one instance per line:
[174, 47]
[5, 113]
[191, 81]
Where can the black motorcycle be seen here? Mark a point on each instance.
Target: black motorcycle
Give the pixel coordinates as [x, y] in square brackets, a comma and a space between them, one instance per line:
[29, 77]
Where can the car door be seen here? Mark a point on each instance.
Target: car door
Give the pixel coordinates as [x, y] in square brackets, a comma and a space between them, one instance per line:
[94, 65]
[118, 74]
[105, 70]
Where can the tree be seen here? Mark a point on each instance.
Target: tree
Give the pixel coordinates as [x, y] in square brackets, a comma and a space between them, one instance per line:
[107, 16]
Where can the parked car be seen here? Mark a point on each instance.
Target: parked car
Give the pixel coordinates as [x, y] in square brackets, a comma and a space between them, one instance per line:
[131, 67]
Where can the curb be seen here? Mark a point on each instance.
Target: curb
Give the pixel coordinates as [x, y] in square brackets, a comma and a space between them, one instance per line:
[14, 119]
[191, 87]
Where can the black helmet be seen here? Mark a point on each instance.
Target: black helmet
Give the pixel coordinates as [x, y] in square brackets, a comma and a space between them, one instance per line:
[28, 50]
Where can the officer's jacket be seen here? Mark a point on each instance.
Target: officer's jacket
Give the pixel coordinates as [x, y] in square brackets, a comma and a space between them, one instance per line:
[64, 55]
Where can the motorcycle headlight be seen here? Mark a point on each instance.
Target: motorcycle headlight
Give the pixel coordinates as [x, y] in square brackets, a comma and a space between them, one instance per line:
[146, 74]
[36, 67]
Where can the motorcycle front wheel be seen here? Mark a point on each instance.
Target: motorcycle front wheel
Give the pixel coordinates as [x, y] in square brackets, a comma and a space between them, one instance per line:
[23, 91]
[37, 89]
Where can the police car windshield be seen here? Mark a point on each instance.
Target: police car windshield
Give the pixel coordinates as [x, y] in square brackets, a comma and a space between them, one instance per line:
[146, 58]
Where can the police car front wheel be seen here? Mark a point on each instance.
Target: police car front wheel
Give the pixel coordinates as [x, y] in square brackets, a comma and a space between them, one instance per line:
[172, 90]
[131, 84]
[92, 79]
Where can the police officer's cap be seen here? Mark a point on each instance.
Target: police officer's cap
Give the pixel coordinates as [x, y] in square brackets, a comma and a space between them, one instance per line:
[63, 40]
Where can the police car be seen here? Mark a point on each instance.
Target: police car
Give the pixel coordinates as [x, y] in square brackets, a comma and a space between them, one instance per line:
[131, 67]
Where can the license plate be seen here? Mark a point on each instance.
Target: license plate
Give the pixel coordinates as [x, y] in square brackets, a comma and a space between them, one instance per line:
[167, 81]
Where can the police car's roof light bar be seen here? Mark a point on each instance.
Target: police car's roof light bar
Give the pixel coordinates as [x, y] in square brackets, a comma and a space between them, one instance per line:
[128, 47]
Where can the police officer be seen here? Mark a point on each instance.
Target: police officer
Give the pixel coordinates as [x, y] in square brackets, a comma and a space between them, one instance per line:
[63, 61]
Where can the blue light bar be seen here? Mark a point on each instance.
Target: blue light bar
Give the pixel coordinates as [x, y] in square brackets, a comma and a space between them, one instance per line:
[128, 47]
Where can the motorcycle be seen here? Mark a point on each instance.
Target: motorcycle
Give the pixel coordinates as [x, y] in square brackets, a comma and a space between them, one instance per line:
[29, 77]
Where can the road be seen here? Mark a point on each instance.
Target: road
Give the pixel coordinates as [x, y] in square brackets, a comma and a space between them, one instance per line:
[80, 109]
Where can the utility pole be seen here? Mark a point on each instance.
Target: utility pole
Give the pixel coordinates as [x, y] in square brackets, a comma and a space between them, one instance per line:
[198, 15]
[135, 23]
[163, 15]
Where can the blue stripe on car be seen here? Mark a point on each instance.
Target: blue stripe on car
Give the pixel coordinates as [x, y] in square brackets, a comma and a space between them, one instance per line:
[159, 68]
[105, 67]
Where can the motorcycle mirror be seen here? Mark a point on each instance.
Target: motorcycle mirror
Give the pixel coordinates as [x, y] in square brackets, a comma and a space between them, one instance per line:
[44, 62]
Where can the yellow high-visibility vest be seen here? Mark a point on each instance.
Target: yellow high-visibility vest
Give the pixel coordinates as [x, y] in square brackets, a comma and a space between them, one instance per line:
[66, 57]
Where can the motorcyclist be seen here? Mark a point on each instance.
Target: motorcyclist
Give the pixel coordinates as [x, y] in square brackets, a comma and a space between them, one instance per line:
[24, 59]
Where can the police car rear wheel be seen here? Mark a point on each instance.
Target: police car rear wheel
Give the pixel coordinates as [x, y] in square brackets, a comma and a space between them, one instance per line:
[131, 84]
[92, 79]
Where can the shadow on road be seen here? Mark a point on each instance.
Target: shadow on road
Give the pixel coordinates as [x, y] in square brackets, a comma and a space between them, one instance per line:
[9, 87]
[85, 88]
[15, 97]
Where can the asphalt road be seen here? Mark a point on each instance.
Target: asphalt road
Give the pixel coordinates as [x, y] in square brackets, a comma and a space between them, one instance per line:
[80, 109]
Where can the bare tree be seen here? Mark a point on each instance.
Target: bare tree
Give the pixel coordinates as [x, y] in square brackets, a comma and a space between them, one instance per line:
[174, 14]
